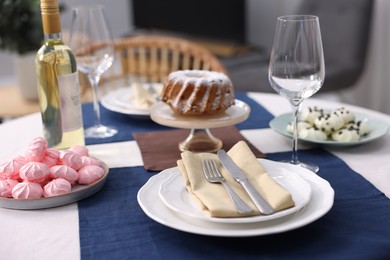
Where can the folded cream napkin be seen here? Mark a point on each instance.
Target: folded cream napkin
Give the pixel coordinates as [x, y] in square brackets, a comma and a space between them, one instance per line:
[213, 199]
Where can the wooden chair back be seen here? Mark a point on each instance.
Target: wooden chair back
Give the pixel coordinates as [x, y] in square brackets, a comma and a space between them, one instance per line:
[150, 59]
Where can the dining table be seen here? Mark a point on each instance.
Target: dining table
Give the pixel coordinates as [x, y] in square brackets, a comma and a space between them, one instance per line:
[113, 224]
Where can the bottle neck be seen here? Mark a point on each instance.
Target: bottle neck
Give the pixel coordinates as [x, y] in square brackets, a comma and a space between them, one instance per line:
[50, 18]
[53, 36]
[51, 24]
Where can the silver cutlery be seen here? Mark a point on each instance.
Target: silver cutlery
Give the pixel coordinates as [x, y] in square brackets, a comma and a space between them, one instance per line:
[213, 175]
[241, 178]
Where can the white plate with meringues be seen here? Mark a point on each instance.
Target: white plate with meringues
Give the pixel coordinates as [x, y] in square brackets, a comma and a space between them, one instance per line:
[78, 192]
[377, 129]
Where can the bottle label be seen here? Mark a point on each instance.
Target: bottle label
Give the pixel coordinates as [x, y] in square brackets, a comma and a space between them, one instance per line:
[70, 102]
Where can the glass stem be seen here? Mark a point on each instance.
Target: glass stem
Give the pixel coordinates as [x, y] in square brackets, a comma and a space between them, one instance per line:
[294, 156]
[94, 80]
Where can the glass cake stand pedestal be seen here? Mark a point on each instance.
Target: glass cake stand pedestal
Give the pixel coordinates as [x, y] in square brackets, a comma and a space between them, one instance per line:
[200, 138]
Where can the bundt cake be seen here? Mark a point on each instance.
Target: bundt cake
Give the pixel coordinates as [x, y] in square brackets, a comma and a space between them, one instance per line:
[198, 92]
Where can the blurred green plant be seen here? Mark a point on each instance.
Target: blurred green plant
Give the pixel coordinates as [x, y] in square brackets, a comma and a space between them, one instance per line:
[21, 25]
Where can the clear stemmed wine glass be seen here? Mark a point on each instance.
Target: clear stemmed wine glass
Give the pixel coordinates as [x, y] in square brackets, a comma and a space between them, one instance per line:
[297, 69]
[92, 44]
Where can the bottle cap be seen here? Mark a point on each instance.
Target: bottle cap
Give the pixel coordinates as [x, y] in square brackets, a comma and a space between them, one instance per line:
[50, 16]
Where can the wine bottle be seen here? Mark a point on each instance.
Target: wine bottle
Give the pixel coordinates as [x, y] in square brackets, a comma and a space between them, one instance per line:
[58, 84]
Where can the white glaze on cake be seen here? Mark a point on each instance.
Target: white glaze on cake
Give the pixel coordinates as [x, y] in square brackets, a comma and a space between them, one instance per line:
[196, 92]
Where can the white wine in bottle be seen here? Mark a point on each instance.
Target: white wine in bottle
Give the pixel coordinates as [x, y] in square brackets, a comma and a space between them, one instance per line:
[58, 84]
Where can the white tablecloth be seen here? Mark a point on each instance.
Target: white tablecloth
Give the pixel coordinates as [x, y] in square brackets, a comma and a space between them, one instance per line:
[25, 234]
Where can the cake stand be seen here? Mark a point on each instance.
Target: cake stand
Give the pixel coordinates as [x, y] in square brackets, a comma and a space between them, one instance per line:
[200, 138]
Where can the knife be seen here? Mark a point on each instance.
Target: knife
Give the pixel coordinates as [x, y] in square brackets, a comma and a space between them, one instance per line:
[241, 178]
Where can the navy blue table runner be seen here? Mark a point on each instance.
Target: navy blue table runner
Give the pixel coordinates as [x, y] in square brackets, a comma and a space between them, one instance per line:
[113, 226]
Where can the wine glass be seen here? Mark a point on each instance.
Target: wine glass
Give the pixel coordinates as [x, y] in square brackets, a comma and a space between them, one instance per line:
[92, 44]
[297, 69]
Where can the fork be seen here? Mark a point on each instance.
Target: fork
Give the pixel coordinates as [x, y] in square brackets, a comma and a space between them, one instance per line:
[213, 175]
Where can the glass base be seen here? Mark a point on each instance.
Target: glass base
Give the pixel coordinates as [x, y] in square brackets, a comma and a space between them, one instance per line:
[310, 166]
[100, 131]
[200, 140]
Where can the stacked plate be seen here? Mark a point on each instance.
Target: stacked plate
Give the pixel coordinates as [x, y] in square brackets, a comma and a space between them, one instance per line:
[165, 199]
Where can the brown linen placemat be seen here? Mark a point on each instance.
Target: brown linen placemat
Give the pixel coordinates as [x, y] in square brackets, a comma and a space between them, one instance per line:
[160, 149]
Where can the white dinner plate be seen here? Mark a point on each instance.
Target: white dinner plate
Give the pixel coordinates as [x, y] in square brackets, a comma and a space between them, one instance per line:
[77, 193]
[175, 196]
[378, 129]
[122, 101]
[321, 201]
[162, 113]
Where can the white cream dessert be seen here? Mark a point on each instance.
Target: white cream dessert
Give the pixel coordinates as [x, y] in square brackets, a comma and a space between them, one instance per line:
[349, 134]
[301, 125]
[363, 127]
[312, 133]
[329, 123]
[310, 114]
[338, 125]
[345, 114]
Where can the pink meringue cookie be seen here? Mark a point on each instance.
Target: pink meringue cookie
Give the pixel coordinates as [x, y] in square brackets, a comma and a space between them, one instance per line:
[56, 187]
[21, 159]
[51, 157]
[71, 159]
[65, 172]
[10, 169]
[27, 190]
[35, 150]
[86, 160]
[90, 174]
[80, 150]
[6, 187]
[34, 172]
